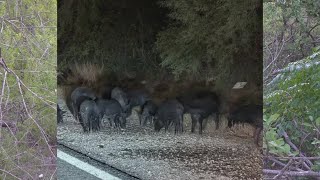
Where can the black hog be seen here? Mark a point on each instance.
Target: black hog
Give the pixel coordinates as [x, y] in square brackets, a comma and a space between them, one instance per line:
[170, 111]
[251, 114]
[90, 116]
[122, 97]
[105, 92]
[79, 95]
[138, 97]
[112, 110]
[198, 115]
[200, 105]
[149, 110]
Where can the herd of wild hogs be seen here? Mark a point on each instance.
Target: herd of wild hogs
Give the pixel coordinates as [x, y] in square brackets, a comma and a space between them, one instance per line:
[116, 105]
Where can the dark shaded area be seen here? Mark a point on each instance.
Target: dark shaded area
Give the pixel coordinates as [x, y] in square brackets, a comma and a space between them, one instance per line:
[172, 45]
[251, 114]
[59, 114]
[118, 34]
[201, 105]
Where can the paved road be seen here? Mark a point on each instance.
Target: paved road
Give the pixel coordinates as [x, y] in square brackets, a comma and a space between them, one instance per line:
[67, 171]
[75, 166]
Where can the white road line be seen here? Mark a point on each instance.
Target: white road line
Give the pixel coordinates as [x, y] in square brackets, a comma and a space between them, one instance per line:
[85, 166]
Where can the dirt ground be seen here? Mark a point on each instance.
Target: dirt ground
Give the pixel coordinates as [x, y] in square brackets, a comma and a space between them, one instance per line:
[217, 154]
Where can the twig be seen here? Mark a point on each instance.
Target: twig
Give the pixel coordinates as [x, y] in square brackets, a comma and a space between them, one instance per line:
[293, 173]
[39, 97]
[9, 173]
[283, 169]
[7, 124]
[282, 164]
[310, 158]
[16, 165]
[38, 125]
[38, 27]
[287, 139]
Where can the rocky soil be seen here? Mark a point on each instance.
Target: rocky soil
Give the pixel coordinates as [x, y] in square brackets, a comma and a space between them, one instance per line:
[217, 154]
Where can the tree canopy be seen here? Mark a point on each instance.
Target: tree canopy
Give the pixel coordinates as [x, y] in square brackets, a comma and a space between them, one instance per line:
[27, 97]
[196, 39]
[213, 39]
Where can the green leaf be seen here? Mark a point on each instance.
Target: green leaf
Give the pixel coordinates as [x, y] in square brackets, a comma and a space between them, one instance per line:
[307, 124]
[274, 117]
[318, 121]
[311, 118]
[316, 141]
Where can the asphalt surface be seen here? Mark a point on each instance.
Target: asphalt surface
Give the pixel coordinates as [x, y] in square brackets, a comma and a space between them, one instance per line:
[67, 171]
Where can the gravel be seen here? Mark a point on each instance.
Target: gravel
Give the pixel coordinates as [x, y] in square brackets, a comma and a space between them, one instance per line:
[146, 154]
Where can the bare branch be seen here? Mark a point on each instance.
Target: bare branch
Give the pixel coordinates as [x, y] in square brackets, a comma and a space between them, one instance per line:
[293, 173]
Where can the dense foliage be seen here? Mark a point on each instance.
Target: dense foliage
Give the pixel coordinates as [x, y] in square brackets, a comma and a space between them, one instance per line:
[295, 100]
[28, 97]
[197, 39]
[291, 87]
[213, 39]
[118, 34]
[291, 30]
